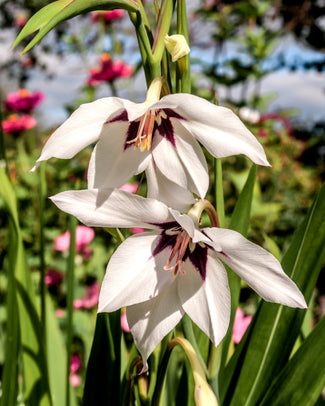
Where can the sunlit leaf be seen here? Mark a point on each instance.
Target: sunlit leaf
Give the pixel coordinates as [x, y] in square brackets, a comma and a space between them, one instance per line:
[54, 13]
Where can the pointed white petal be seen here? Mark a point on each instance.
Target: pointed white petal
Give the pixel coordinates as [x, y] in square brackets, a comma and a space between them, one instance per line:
[151, 321]
[261, 270]
[217, 128]
[133, 275]
[167, 160]
[112, 208]
[206, 302]
[110, 164]
[193, 160]
[166, 191]
[81, 129]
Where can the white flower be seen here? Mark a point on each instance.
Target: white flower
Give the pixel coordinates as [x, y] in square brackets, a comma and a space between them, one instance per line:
[158, 135]
[174, 269]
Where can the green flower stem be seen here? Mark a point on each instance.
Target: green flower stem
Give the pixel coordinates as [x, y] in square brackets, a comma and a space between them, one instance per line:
[42, 197]
[218, 190]
[189, 335]
[163, 25]
[183, 67]
[143, 32]
[70, 291]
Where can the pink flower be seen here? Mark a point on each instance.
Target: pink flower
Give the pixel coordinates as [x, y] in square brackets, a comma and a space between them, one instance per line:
[90, 299]
[107, 16]
[240, 325]
[124, 322]
[17, 124]
[23, 100]
[137, 230]
[108, 71]
[53, 277]
[130, 187]
[21, 20]
[75, 363]
[75, 366]
[84, 235]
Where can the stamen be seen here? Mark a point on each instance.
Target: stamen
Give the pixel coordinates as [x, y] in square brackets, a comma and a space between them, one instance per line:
[145, 130]
[181, 244]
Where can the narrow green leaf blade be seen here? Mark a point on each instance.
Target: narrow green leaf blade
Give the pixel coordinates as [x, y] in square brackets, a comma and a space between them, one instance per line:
[36, 383]
[53, 14]
[268, 342]
[301, 382]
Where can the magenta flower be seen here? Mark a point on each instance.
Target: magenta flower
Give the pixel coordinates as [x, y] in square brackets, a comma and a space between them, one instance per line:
[23, 100]
[124, 322]
[17, 124]
[75, 366]
[240, 325]
[90, 299]
[278, 117]
[130, 187]
[108, 71]
[84, 236]
[107, 16]
[53, 277]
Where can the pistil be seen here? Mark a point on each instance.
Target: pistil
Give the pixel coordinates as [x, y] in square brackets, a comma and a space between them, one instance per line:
[181, 244]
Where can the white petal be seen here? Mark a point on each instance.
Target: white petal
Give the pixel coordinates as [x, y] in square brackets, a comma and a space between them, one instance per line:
[166, 191]
[151, 321]
[216, 127]
[193, 160]
[206, 302]
[110, 164]
[81, 129]
[261, 270]
[167, 160]
[112, 208]
[133, 275]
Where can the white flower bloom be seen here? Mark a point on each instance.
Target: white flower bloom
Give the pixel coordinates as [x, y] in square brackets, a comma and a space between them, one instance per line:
[175, 269]
[161, 133]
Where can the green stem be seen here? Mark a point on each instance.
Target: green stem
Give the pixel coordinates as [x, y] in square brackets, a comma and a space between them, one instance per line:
[163, 25]
[218, 190]
[70, 290]
[42, 196]
[189, 335]
[183, 67]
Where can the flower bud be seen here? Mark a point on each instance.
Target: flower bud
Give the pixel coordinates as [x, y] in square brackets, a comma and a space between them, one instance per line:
[177, 46]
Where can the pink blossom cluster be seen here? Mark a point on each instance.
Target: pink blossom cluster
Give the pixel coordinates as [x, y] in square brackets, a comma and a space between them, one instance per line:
[84, 236]
[90, 299]
[75, 366]
[15, 124]
[23, 101]
[108, 71]
[108, 16]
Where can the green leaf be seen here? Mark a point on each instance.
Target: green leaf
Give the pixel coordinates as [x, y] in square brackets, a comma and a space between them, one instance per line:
[268, 342]
[54, 13]
[57, 358]
[35, 373]
[301, 382]
[103, 370]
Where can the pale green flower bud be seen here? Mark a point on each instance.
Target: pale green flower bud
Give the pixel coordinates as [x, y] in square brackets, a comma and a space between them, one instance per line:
[177, 46]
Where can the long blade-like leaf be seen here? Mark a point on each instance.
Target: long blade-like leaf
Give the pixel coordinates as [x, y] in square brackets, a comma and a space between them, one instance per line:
[268, 342]
[53, 14]
[36, 384]
[302, 380]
